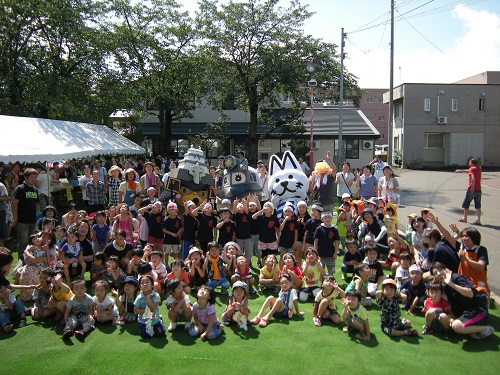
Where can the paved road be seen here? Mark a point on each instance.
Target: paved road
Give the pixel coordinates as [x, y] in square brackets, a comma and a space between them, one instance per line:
[443, 192]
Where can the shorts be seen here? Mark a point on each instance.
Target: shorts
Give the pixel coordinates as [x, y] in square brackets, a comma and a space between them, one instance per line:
[476, 197]
[268, 245]
[167, 249]
[155, 240]
[436, 325]
[129, 317]
[282, 249]
[84, 321]
[213, 334]
[329, 312]
[473, 318]
[356, 318]
[158, 330]
[397, 325]
[285, 313]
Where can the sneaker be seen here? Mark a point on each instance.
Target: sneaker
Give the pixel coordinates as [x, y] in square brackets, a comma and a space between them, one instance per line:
[67, 333]
[411, 332]
[427, 329]
[121, 321]
[7, 327]
[243, 326]
[187, 326]
[22, 322]
[80, 335]
[318, 321]
[482, 335]
[172, 327]
[260, 290]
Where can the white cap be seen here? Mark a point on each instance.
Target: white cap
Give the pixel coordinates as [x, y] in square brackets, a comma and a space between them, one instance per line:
[301, 203]
[346, 195]
[226, 201]
[172, 206]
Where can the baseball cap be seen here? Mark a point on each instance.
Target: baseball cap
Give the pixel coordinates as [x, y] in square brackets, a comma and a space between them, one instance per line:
[415, 267]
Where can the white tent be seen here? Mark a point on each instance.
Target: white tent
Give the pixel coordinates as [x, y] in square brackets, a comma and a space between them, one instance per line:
[27, 139]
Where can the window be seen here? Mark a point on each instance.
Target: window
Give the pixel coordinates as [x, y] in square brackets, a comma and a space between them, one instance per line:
[351, 148]
[427, 104]
[454, 105]
[369, 100]
[433, 140]
[381, 118]
[481, 104]
[380, 99]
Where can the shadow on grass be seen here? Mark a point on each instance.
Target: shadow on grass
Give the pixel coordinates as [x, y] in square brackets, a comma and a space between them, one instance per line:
[372, 343]
[182, 337]
[156, 342]
[106, 328]
[491, 343]
[251, 334]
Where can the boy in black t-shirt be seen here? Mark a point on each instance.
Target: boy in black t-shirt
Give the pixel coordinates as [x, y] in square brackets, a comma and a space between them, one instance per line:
[288, 233]
[351, 258]
[413, 290]
[326, 242]
[377, 273]
[226, 227]
[188, 236]
[172, 228]
[268, 229]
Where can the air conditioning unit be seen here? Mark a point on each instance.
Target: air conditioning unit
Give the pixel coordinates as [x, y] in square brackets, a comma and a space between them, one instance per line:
[367, 145]
[316, 145]
[442, 120]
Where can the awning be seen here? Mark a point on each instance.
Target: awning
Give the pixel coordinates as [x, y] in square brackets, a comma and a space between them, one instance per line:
[26, 139]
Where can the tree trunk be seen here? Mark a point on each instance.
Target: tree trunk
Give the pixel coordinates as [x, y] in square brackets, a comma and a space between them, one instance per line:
[252, 135]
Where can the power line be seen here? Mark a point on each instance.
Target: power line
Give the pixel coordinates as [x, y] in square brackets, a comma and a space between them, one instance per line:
[422, 35]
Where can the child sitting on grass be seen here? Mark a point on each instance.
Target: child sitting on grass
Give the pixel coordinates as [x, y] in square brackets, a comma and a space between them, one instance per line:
[281, 307]
[360, 283]
[269, 274]
[105, 309]
[114, 274]
[146, 305]
[125, 301]
[437, 311]
[10, 306]
[403, 271]
[237, 306]
[376, 271]
[243, 273]
[194, 263]
[159, 270]
[413, 290]
[177, 267]
[389, 300]
[312, 274]
[135, 261]
[60, 294]
[72, 255]
[206, 325]
[216, 268]
[79, 311]
[324, 302]
[355, 316]
[178, 304]
[41, 296]
[98, 268]
[351, 258]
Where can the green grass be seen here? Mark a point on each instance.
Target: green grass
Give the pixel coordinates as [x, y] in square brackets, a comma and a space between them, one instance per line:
[291, 346]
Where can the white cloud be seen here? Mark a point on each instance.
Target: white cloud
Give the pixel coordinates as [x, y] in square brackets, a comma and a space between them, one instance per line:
[474, 51]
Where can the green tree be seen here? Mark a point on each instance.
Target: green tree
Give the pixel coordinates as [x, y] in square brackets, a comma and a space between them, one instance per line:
[258, 52]
[154, 52]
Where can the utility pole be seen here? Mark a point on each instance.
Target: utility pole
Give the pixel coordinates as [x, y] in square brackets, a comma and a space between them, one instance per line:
[391, 89]
[340, 147]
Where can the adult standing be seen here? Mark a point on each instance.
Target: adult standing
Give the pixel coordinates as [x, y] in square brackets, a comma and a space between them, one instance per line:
[71, 173]
[96, 192]
[378, 164]
[344, 180]
[264, 179]
[324, 183]
[4, 197]
[304, 166]
[150, 179]
[388, 186]
[114, 182]
[129, 188]
[367, 183]
[102, 171]
[473, 191]
[24, 209]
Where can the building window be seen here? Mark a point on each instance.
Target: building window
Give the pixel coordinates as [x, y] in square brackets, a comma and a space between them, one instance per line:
[369, 100]
[481, 104]
[380, 99]
[427, 104]
[454, 105]
[381, 118]
[433, 140]
[351, 148]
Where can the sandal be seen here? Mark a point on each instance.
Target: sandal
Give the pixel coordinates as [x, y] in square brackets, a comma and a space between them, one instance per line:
[80, 335]
[7, 327]
[263, 323]
[477, 223]
[462, 220]
[255, 320]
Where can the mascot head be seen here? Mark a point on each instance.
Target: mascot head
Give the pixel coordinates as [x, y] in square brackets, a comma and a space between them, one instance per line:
[239, 180]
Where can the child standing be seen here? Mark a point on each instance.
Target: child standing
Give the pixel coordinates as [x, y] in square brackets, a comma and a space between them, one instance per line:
[312, 274]
[302, 218]
[207, 224]
[178, 304]
[281, 307]
[153, 215]
[101, 234]
[242, 220]
[105, 309]
[216, 268]
[237, 306]
[79, 311]
[355, 315]
[311, 225]
[324, 302]
[172, 228]
[268, 229]
[253, 207]
[288, 233]
[437, 311]
[226, 227]
[326, 242]
[390, 316]
[206, 325]
[188, 236]
[125, 302]
[146, 305]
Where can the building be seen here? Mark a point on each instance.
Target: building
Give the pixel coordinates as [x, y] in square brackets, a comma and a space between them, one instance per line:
[374, 108]
[438, 125]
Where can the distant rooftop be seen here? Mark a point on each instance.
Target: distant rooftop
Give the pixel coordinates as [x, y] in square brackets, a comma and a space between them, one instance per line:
[485, 78]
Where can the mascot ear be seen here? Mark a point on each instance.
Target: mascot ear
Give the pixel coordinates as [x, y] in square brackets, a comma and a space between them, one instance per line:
[289, 161]
[275, 165]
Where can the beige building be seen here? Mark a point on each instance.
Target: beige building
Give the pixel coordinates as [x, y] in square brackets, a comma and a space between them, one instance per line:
[438, 125]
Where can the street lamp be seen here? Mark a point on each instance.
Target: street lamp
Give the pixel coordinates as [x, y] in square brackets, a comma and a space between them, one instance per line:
[312, 83]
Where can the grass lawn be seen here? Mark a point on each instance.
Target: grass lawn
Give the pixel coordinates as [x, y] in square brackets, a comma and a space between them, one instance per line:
[294, 345]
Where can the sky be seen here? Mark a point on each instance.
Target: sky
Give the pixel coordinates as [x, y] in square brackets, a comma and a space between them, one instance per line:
[435, 41]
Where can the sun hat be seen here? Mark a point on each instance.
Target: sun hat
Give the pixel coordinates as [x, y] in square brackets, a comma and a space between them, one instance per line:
[239, 284]
[389, 282]
[131, 280]
[114, 168]
[194, 250]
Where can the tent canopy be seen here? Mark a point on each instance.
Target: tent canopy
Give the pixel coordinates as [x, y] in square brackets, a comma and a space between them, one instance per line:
[26, 139]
